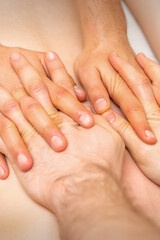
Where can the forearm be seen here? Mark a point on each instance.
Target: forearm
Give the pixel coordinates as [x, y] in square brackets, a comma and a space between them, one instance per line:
[101, 21]
[147, 14]
[93, 206]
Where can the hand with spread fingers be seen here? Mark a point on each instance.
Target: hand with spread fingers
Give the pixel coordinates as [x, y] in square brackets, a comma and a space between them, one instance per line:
[36, 97]
[147, 91]
[83, 181]
[104, 29]
[105, 149]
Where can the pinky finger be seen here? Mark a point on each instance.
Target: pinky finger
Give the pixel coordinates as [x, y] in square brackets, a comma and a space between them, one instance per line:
[4, 170]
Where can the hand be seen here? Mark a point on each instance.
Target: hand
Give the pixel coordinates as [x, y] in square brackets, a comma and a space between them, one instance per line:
[97, 76]
[97, 146]
[91, 166]
[45, 94]
[147, 91]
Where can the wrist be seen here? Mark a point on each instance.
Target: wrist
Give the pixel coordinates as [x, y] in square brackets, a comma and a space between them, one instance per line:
[91, 205]
[107, 43]
[91, 196]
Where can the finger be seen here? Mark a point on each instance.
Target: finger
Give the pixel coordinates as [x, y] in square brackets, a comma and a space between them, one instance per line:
[123, 127]
[152, 69]
[45, 125]
[32, 81]
[60, 97]
[37, 116]
[132, 143]
[59, 75]
[89, 109]
[137, 81]
[15, 144]
[4, 170]
[98, 95]
[130, 106]
[67, 103]
[81, 95]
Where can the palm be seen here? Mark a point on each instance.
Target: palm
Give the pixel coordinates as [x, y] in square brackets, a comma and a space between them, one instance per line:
[100, 145]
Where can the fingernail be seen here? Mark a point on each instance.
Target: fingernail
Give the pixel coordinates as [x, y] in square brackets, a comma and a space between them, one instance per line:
[22, 160]
[78, 90]
[101, 105]
[85, 119]
[115, 54]
[50, 56]
[2, 172]
[57, 141]
[15, 56]
[110, 117]
[149, 134]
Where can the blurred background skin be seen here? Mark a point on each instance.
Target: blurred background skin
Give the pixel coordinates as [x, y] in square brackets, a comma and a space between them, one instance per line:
[147, 14]
[54, 25]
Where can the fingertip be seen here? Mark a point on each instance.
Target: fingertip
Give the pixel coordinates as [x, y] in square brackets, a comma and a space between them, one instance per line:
[146, 135]
[59, 143]
[113, 54]
[81, 95]
[85, 119]
[101, 105]
[110, 116]
[4, 172]
[15, 56]
[50, 56]
[24, 162]
[150, 137]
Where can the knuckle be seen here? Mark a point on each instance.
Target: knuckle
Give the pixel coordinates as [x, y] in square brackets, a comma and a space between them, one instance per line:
[5, 124]
[60, 93]
[28, 133]
[144, 81]
[18, 92]
[37, 87]
[133, 109]
[123, 126]
[9, 106]
[30, 104]
[56, 118]
[67, 85]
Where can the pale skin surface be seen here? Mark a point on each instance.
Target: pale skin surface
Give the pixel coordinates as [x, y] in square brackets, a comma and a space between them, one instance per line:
[141, 10]
[47, 40]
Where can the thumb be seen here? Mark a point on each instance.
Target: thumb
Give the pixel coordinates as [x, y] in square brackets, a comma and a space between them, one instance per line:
[123, 127]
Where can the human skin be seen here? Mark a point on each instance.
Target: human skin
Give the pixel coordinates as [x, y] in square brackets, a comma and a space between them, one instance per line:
[21, 215]
[147, 91]
[59, 181]
[144, 193]
[45, 92]
[104, 30]
[149, 22]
